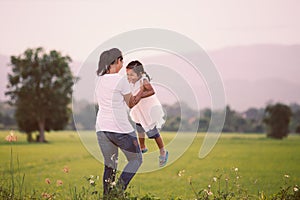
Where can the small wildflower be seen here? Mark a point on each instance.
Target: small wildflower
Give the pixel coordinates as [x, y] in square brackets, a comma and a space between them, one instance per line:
[113, 183]
[209, 186]
[11, 137]
[59, 182]
[47, 180]
[91, 176]
[66, 169]
[236, 169]
[180, 173]
[296, 189]
[237, 177]
[226, 179]
[92, 182]
[46, 195]
[287, 176]
[215, 179]
[209, 193]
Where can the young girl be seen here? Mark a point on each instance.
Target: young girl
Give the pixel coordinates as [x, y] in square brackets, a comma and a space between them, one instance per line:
[148, 113]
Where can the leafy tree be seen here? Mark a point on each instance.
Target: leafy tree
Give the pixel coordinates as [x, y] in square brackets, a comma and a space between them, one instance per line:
[298, 129]
[203, 125]
[277, 118]
[233, 121]
[295, 121]
[254, 118]
[40, 87]
[84, 115]
[7, 120]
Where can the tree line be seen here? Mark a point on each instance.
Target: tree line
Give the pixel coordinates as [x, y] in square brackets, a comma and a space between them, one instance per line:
[253, 120]
[40, 91]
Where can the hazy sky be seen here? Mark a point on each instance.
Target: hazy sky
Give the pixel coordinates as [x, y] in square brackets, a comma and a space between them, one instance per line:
[77, 27]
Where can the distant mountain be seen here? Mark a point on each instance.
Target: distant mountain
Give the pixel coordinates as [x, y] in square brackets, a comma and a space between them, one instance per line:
[255, 75]
[258, 62]
[252, 75]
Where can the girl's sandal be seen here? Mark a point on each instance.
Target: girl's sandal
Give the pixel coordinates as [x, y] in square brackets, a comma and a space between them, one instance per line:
[144, 150]
[163, 159]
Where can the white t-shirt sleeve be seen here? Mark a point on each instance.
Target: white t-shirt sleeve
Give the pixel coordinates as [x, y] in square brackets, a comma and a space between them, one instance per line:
[125, 86]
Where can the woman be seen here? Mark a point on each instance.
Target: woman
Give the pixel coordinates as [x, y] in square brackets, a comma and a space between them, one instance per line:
[112, 124]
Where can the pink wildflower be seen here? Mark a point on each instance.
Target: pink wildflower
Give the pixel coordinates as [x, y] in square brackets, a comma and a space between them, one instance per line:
[59, 182]
[47, 180]
[46, 195]
[66, 169]
[11, 137]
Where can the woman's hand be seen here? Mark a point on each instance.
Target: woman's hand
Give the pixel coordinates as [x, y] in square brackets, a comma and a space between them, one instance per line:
[133, 100]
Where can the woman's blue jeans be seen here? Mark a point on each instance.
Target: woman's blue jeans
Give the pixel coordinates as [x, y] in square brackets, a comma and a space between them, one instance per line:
[109, 143]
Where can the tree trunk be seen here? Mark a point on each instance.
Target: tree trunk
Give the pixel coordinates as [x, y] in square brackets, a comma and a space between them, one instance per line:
[29, 137]
[41, 137]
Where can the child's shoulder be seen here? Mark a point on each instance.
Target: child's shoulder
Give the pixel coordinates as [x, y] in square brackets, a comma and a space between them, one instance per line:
[145, 78]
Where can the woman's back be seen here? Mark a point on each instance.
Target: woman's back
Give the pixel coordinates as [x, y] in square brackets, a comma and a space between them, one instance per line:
[112, 115]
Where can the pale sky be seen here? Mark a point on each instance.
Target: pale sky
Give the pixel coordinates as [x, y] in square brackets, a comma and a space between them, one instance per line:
[77, 27]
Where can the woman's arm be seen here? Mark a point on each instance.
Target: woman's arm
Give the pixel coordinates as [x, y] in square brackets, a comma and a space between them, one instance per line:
[133, 100]
[147, 89]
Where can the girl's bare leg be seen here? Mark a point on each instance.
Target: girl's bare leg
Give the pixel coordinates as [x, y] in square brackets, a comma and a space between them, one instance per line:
[142, 140]
[160, 145]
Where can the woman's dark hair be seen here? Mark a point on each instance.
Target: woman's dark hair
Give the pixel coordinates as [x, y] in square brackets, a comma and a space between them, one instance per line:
[138, 68]
[103, 69]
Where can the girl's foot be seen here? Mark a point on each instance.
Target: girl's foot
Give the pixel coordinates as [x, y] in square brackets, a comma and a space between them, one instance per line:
[163, 159]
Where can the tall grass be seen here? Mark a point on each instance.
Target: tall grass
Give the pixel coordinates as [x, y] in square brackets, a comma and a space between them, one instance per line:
[262, 163]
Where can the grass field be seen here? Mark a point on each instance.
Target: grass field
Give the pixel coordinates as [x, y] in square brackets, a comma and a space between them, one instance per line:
[261, 162]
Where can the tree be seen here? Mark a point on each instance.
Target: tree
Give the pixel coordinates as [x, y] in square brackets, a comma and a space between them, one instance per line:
[233, 121]
[295, 121]
[298, 129]
[85, 115]
[40, 87]
[277, 118]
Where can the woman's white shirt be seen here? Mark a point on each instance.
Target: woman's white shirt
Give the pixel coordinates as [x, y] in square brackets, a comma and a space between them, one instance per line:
[113, 111]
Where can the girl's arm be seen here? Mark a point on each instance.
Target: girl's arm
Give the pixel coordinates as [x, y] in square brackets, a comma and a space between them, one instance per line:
[147, 89]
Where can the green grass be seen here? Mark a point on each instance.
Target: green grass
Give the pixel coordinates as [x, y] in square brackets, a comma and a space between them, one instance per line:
[262, 164]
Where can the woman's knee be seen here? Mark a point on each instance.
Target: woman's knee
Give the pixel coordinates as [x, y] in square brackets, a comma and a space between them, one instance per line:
[138, 159]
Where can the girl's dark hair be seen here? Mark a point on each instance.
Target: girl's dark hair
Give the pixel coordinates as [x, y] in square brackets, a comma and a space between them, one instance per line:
[138, 68]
